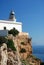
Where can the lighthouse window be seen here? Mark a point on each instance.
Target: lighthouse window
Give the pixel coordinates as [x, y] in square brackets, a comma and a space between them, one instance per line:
[4, 28]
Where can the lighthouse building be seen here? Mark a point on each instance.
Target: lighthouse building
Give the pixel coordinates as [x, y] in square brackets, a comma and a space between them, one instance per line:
[11, 23]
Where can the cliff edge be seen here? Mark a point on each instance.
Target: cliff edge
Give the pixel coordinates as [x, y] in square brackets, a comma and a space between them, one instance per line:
[17, 51]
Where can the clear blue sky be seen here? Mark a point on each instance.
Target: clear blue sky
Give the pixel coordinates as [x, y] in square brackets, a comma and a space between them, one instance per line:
[30, 13]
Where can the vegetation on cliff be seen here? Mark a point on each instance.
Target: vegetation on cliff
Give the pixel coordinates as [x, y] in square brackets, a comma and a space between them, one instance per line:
[13, 31]
[10, 44]
[31, 60]
[22, 43]
[2, 40]
[42, 63]
[22, 50]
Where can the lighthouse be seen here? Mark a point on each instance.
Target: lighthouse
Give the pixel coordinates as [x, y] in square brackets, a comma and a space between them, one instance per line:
[11, 23]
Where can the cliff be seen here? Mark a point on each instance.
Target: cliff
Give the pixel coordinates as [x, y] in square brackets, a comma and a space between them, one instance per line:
[23, 53]
[7, 56]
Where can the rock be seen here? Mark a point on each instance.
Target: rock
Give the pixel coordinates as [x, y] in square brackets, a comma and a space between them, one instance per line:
[7, 57]
[3, 54]
[23, 41]
[11, 57]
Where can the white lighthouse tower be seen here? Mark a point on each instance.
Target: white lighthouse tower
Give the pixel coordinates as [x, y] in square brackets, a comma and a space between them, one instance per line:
[11, 23]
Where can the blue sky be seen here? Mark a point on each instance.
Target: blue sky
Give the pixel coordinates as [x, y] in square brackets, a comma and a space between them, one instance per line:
[30, 13]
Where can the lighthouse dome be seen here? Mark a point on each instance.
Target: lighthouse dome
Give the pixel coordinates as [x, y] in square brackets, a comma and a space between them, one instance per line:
[12, 16]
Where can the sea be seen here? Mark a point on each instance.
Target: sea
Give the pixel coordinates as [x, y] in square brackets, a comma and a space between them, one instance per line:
[38, 51]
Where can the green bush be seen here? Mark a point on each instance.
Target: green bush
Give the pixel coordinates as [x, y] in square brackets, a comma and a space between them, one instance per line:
[22, 43]
[22, 50]
[2, 40]
[25, 62]
[10, 44]
[13, 31]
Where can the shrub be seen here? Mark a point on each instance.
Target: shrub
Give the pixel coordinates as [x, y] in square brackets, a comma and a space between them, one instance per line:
[22, 50]
[22, 43]
[10, 44]
[3, 40]
[42, 63]
[13, 31]
[23, 62]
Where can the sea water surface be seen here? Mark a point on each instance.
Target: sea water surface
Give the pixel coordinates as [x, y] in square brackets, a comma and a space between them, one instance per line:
[38, 51]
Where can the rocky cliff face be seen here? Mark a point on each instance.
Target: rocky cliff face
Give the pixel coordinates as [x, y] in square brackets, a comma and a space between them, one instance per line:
[22, 55]
[23, 42]
[8, 56]
[24, 45]
[3, 54]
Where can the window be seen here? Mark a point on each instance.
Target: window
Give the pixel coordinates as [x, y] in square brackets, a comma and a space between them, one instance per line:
[4, 28]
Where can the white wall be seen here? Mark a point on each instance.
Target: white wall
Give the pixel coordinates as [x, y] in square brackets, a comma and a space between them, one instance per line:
[9, 25]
